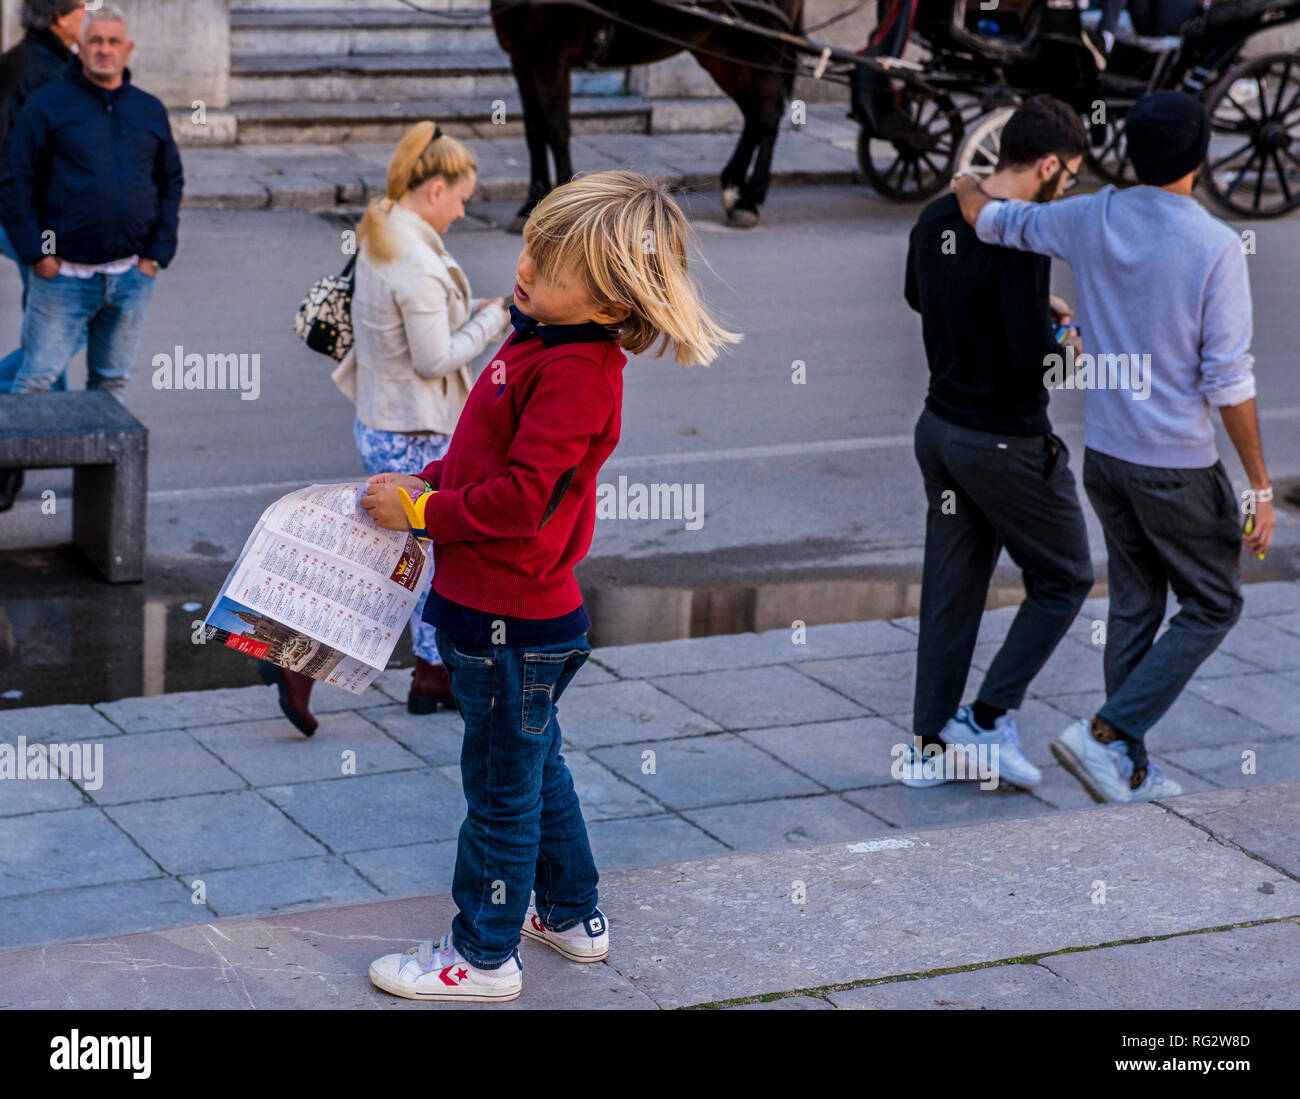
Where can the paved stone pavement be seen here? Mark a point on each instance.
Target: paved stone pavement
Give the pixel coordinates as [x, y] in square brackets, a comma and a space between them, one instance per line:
[1141, 907]
[212, 806]
[256, 177]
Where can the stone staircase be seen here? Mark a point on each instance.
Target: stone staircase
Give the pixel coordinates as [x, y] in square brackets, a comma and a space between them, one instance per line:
[328, 71]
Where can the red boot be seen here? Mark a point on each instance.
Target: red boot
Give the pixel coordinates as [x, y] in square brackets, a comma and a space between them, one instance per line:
[295, 694]
[430, 689]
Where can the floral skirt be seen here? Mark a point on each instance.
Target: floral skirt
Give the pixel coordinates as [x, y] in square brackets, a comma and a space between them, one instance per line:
[394, 452]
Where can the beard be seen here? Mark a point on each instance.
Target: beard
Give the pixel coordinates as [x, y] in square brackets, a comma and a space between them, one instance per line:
[1047, 189]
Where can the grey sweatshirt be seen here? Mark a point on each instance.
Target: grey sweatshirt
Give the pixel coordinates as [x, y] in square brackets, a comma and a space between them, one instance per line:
[1164, 304]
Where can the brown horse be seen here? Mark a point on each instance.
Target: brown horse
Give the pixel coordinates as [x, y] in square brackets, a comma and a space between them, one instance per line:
[547, 40]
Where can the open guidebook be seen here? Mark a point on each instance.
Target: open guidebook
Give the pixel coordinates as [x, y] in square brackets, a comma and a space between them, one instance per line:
[320, 589]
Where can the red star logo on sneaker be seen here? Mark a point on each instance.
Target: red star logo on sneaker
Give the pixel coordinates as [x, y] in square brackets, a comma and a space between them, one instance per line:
[537, 923]
[459, 975]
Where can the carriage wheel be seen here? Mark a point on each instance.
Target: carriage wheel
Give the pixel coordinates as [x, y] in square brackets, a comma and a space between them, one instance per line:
[979, 152]
[1110, 159]
[1253, 166]
[917, 158]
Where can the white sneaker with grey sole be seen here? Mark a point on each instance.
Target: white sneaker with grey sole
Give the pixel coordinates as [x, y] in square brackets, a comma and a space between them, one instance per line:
[964, 735]
[1100, 767]
[919, 770]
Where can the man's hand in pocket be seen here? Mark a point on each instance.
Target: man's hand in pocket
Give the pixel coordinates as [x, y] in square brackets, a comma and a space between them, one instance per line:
[47, 267]
[148, 267]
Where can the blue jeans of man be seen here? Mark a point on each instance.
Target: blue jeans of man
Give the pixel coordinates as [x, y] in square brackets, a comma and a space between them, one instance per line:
[107, 311]
[10, 363]
[524, 828]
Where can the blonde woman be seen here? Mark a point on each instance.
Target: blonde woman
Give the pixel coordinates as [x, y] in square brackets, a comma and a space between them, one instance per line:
[416, 330]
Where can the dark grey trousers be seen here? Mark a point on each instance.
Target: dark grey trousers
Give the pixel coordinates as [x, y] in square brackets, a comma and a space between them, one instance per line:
[985, 492]
[1165, 528]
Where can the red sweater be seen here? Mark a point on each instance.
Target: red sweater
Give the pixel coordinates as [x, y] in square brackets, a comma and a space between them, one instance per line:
[515, 505]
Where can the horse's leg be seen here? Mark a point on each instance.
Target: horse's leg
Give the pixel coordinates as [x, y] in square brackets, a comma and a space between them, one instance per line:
[761, 99]
[754, 192]
[535, 132]
[735, 170]
[557, 124]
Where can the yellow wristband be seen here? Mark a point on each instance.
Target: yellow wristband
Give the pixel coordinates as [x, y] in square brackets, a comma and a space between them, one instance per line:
[414, 510]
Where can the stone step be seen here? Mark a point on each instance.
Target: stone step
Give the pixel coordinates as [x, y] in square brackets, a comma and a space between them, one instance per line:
[360, 78]
[333, 31]
[312, 121]
[1050, 912]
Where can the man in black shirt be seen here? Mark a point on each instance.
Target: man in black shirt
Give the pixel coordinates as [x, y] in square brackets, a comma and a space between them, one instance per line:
[995, 474]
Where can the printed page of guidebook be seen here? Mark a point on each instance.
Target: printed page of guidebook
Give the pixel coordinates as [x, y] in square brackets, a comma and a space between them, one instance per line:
[320, 589]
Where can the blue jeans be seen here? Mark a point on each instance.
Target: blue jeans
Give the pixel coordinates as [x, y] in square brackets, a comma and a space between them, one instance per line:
[396, 452]
[108, 312]
[10, 363]
[524, 828]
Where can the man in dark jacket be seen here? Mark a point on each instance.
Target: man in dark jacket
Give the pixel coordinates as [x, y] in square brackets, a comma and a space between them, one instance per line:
[40, 58]
[52, 28]
[90, 198]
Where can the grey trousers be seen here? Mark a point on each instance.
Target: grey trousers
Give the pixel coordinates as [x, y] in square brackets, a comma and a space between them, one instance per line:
[985, 492]
[1176, 529]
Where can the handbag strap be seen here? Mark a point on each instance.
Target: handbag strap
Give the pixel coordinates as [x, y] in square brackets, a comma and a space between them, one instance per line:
[347, 271]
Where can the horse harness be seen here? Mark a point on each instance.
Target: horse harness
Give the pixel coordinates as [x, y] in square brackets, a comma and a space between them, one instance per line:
[602, 40]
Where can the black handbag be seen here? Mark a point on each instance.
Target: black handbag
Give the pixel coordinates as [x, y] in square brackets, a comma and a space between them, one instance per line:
[324, 319]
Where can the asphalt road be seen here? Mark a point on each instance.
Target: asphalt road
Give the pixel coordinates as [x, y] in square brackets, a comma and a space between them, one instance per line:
[812, 505]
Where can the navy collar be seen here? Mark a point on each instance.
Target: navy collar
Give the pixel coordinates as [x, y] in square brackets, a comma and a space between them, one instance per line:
[552, 335]
[77, 75]
[51, 42]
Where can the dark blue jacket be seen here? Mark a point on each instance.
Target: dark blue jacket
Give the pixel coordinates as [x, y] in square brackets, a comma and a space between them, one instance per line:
[39, 59]
[98, 168]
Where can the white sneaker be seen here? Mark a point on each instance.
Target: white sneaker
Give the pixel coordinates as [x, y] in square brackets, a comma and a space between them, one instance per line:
[587, 941]
[1104, 769]
[963, 734]
[1155, 785]
[438, 971]
[919, 770]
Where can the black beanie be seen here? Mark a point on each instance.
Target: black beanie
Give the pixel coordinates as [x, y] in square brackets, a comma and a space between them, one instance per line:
[1168, 134]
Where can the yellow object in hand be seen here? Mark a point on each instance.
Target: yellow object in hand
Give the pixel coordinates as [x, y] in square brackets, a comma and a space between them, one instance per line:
[1249, 528]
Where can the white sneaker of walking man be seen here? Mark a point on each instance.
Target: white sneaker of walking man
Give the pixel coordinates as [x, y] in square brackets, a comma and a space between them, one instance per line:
[1105, 770]
[1000, 745]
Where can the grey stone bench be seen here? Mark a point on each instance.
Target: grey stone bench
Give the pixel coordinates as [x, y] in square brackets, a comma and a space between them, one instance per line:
[108, 450]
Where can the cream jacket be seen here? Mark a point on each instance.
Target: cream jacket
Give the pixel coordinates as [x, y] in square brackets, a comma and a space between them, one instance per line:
[415, 334]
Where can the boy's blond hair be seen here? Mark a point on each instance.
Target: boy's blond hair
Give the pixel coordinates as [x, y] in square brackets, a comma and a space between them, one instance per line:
[418, 158]
[623, 233]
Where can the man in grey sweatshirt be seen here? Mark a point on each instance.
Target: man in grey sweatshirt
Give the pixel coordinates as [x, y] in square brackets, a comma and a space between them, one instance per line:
[1164, 300]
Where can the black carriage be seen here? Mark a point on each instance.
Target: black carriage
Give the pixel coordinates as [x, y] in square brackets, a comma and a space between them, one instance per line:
[923, 119]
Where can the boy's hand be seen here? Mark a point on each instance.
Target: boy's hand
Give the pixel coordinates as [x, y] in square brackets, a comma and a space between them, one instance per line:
[1060, 309]
[383, 502]
[404, 480]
